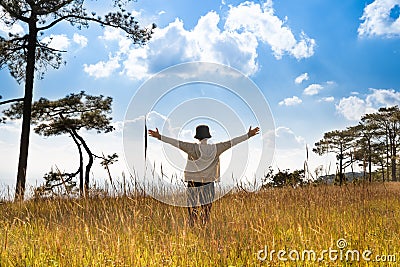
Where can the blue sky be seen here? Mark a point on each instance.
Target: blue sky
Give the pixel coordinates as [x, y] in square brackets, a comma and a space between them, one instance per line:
[319, 64]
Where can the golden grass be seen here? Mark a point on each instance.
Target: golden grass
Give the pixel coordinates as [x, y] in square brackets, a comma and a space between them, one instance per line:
[141, 231]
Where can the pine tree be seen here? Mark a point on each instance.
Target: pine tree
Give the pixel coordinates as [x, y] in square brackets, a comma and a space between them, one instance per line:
[26, 55]
[70, 115]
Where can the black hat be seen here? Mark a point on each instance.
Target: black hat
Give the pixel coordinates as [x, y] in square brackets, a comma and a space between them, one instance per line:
[202, 132]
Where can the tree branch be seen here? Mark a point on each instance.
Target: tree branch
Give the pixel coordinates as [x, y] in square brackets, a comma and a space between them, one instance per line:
[76, 17]
[11, 51]
[11, 101]
[90, 163]
[101, 22]
[54, 8]
[12, 13]
[52, 23]
[80, 162]
[61, 112]
[18, 38]
[70, 176]
[53, 50]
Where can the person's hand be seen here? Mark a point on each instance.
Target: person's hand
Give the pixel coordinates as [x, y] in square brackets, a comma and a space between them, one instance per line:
[253, 132]
[155, 134]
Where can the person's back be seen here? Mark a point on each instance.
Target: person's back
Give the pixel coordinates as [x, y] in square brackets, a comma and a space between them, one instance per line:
[203, 163]
[202, 166]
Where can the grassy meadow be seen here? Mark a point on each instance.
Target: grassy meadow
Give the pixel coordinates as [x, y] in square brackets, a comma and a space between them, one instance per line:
[140, 231]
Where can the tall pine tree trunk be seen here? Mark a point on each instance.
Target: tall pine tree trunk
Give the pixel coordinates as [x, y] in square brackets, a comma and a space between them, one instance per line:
[370, 159]
[387, 157]
[394, 159]
[89, 165]
[341, 165]
[26, 117]
[72, 133]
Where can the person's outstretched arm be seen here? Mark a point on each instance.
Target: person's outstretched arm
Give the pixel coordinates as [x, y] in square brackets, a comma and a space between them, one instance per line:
[155, 134]
[228, 144]
[253, 132]
[185, 146]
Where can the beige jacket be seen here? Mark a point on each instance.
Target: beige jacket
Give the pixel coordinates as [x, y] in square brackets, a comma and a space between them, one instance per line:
[203, 163]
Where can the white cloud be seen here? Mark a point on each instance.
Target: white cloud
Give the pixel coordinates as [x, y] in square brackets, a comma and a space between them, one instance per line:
[135, 66]
[287, 139]
[304, 48]
[313, 89]
[206, 42]
[301, 78]
[15, 28]
[58, 42]
[80, 40]
[111, 34]
[291, 101]
[291, 153]
[383, 97]
[328, 99]
[102, 69]
[377, 20]
[353, 107]
[233, 42]
[161, 12]
[267, 27]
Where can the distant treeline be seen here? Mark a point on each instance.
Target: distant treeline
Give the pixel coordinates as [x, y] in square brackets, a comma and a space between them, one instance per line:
[372, 144]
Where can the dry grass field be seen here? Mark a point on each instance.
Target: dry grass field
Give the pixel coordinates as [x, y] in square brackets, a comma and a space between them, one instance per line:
[139, 231]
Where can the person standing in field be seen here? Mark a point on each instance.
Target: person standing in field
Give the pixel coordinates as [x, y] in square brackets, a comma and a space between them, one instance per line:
[202, 168]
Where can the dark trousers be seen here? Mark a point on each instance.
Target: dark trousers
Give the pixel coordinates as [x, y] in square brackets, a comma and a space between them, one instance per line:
[200, 199]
